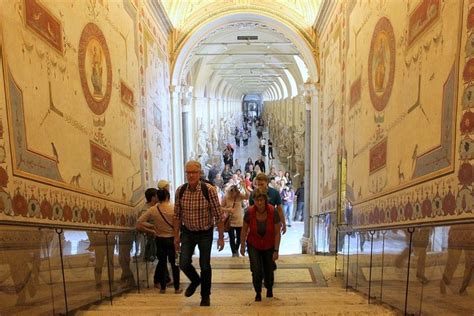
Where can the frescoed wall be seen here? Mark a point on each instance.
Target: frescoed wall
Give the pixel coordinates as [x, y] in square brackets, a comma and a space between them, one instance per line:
[332, 102]
[403, 108]
[84, 111]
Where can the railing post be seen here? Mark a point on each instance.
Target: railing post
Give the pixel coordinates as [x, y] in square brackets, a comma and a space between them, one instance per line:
[357, 260]
[48, 254]
[135, 233]
[337, 247]
[372, 232]
[146, 263]
[106, 233]
[317, 234]
[384, 232]
[342, 257]
[410, 231]
[59, 231]
[348, 251]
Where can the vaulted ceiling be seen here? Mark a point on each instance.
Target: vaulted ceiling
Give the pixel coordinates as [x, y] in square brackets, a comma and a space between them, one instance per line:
[248, 56]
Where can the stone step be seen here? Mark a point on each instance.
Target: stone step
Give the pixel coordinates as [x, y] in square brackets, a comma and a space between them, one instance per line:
[230, 296]
[291, 298]
[265, 308]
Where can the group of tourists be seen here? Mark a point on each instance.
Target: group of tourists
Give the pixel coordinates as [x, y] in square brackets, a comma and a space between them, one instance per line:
[190, 221]
[248, 202]
[232, 174]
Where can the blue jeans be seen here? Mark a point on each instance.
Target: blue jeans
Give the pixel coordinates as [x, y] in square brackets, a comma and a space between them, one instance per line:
[287, 210]
[261, 265]
[189, 240]
[299, 214]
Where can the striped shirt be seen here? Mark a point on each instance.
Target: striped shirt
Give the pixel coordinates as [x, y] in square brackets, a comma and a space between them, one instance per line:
[195, 211]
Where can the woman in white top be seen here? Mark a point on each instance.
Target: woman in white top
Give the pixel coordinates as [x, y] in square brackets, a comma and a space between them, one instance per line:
[232, 205]
[162, 216]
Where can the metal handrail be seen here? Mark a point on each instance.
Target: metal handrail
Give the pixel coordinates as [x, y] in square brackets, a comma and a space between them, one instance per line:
[65, 226]
[402, 226]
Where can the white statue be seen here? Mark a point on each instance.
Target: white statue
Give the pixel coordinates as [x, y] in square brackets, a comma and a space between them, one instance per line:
[299, 139]
[201, 138]
[214, 139]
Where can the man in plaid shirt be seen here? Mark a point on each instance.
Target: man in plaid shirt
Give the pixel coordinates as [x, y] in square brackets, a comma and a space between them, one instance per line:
[195, 217]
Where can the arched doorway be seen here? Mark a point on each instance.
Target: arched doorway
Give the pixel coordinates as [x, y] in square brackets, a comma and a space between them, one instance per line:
[203, 82]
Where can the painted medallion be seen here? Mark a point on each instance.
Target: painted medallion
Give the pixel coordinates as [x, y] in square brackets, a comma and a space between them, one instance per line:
[381, 64]
[95, 68]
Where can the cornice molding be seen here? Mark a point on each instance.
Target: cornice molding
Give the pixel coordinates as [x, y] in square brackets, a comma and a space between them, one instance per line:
[325, 11]
[159, 13]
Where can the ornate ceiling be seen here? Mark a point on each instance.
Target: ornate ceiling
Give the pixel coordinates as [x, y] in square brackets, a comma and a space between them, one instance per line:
[220, 60]
[180, 11]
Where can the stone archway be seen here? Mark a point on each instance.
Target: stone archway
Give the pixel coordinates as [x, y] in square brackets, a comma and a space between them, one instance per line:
[181, 64]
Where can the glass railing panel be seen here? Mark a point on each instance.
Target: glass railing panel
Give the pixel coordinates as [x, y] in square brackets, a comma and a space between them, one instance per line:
[341, 251]
[353, 261]
[323, 231]
[125, 275]
[85, 267]
[395, 263]
[146, 259]
[27, 284]
[378, 258]
[447, 264]
[363, 262]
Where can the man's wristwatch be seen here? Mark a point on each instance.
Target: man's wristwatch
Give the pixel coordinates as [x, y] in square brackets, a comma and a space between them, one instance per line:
[275, 250]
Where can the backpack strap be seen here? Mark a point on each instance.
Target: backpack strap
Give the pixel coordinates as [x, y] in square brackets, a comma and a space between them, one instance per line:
[205, 191]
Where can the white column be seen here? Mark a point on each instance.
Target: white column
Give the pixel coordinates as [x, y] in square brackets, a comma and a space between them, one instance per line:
[178, 164]
[311, 167]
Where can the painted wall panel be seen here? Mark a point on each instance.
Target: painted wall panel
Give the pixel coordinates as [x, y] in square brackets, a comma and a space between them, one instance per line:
[85, 110]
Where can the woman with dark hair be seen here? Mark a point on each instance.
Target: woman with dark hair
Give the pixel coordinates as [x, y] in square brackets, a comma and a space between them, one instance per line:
[261, 231]
[248, 164]
[162, 217]
[287, 178]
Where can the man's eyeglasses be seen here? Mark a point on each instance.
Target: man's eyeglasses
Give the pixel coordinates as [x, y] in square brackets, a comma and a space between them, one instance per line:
[193, 172]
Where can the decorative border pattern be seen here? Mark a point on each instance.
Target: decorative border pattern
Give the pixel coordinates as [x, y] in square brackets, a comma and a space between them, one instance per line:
[47, 204]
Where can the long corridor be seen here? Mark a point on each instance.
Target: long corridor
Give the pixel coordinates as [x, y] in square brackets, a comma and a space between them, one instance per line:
[290, 242]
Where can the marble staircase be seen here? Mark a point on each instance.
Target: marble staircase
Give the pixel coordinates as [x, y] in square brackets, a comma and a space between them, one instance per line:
[319, 295]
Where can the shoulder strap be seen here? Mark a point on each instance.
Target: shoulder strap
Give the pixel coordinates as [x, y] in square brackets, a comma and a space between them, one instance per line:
[205, 190]
[162, 216]
[181, 190]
